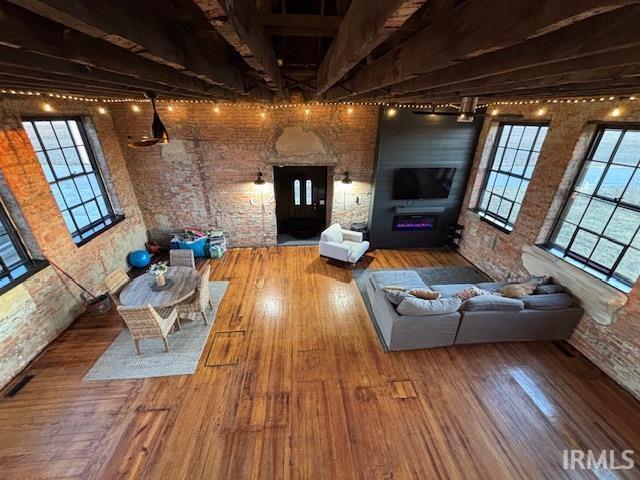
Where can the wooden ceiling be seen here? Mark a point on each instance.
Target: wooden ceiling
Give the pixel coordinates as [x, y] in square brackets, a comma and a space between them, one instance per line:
[404, 51]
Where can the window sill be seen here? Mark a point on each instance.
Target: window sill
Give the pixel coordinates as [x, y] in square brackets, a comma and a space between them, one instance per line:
[599, 299]
[36, 266]
[114, 221]
[503, 227]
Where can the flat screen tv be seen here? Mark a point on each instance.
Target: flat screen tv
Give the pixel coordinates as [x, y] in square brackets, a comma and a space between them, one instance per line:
[422, 183]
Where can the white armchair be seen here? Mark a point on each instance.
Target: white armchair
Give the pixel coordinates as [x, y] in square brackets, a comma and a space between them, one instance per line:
[343, 245]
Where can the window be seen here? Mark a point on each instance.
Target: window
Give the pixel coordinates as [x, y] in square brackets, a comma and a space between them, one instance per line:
[513, 160]
[73, 175]
[599, 226]
[308, 192]
[296, 192]
[14, 260]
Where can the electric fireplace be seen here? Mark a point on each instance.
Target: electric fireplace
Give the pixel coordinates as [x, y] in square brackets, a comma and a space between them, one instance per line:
[405, 223]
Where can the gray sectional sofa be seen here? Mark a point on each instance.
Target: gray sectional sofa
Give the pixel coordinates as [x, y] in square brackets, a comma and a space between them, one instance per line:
[487, 318]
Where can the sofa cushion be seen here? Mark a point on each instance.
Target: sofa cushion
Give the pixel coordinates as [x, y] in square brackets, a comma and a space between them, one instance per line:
[450, 290]
[395, 296]
[492, 286]
[550, 301]
[407, 279]
[332, 234]
[551, 288]
[493, 303]
[518, 290]
[416, 306]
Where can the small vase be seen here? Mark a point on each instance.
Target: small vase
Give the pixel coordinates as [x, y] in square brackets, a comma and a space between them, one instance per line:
[160, 280]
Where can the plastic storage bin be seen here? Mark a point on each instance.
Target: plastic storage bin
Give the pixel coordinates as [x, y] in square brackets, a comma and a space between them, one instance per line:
[198, 246]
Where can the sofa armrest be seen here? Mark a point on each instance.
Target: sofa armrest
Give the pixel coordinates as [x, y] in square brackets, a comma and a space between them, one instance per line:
[334, 250]
[352, 236]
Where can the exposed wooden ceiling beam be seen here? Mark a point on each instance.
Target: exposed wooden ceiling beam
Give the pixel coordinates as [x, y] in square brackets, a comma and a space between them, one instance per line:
[134, 26]
[366, 25]
[579, 68]
[32, 33]
[238, 22]
[13, 57]
[475, 28]
[301, 25]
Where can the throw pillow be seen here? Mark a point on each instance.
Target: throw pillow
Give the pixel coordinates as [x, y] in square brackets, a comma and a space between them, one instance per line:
[418, 307]
[395, 296]
[518, 290]
[544, 289]
[393, 287]
[424, 294]
[467, 293]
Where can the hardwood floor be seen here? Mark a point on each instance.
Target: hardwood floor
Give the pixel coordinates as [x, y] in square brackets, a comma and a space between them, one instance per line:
[293, 384]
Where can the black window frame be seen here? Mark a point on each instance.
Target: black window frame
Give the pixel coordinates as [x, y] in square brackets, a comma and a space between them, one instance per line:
[30, 265]
[493, 219]
[107, 221]
[603, 273]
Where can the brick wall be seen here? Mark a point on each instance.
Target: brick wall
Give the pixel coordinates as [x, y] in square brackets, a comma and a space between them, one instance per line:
[204, 176]
[615, 348]
[36, 311]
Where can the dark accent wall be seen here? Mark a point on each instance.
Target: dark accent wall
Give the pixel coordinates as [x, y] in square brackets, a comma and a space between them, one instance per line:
[413, 140]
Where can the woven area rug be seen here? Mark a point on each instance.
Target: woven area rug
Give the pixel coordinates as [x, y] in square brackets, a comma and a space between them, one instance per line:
[429, 275]
[120, 360]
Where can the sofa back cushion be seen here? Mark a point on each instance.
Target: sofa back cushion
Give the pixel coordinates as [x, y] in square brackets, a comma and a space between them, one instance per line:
[417, 306]
[550, 301]
[492, 303]
[332, 234]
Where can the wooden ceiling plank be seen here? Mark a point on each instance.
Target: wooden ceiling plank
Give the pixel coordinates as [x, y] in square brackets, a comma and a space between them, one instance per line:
[239, 23]
[32, 33]
[476, 28]
[366, 25]
[38, 63]
[301, 25]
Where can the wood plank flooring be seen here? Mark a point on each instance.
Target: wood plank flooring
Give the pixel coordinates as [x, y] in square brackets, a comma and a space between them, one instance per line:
[293, 385]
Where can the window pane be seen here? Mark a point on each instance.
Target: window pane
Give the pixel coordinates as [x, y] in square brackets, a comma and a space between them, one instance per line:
[597, 215]
[308, 192]
[540, 140]
[632, 194]
[576, 207]
[296, 192]
[584, 243]
[629, 266]
[8, 251]
[590, 177]
[606, 253]
[71, 172]
[628, 152]
[615, 181]
[623, 225]
[606, 145]
[31, 133]
[511, 168]
[565, 234]
[12, 252]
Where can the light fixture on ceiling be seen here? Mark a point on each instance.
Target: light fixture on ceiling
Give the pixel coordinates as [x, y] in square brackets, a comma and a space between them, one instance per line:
[159, 133]
[347, 179]
[259, 180]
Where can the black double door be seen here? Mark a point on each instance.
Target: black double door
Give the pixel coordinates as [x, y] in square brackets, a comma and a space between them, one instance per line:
[301, 200]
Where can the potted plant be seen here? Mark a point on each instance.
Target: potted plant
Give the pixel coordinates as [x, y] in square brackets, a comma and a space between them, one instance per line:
[159, 269]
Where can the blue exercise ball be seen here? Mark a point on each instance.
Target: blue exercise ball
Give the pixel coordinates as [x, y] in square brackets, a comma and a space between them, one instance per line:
[139, 258]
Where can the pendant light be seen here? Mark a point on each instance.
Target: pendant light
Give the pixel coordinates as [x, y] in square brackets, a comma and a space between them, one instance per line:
[158, 131]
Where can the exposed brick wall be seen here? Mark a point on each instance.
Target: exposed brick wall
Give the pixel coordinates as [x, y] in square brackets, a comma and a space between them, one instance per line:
[35, 312]
[204, 176]
[616, 348]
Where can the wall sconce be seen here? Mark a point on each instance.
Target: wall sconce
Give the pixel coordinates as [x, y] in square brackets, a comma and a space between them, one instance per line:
[259, 180]
[347, 180]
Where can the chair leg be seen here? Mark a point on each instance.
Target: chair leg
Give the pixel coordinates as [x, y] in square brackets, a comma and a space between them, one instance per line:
[211, 304]
[137, 342]
[178, 323]
[166, 344]
[204, 317]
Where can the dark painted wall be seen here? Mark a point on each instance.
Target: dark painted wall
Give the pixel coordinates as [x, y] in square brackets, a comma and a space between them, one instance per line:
[417, 140]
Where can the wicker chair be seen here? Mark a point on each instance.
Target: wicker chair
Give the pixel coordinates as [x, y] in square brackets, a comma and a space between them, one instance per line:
[182, 258]
[115, 282]
[201, 300]
[144, 321]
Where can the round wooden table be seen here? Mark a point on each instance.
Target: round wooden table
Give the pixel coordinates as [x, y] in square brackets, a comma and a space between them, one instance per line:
[138, 291]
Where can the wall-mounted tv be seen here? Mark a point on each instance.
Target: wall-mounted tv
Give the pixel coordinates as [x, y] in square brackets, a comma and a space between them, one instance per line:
[422, 183]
